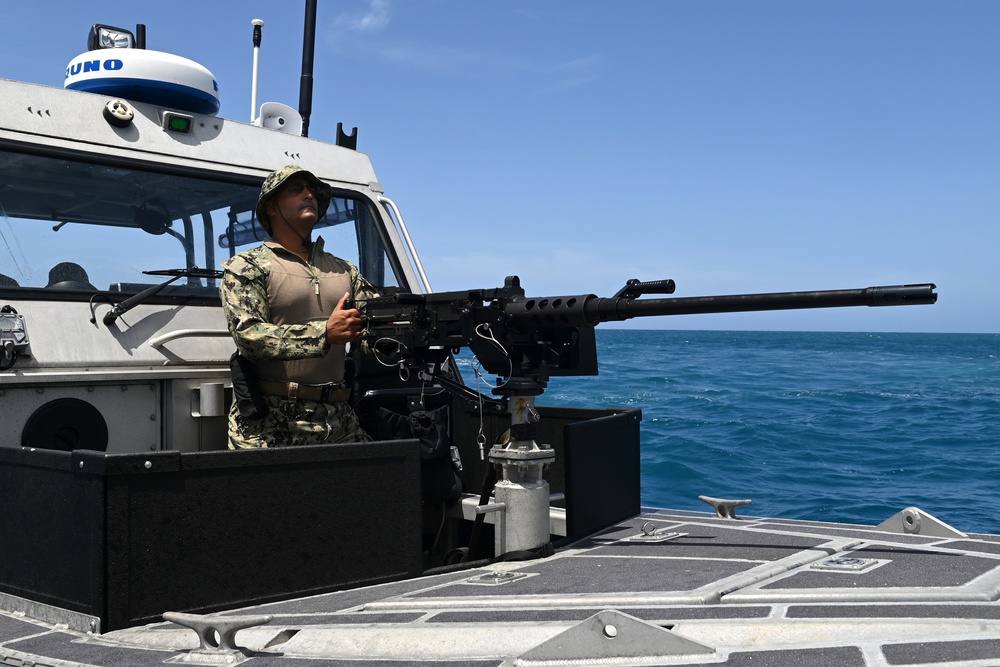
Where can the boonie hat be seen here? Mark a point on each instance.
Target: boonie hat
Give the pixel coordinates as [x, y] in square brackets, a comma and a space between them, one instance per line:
[276, 179]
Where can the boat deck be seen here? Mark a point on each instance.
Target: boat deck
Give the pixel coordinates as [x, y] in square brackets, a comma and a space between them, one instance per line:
[664, 588]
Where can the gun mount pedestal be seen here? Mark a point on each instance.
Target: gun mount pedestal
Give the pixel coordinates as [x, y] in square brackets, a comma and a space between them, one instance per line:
[522, 495]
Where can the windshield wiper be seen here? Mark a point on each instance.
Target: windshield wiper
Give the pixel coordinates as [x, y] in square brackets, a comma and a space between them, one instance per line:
[133, 301]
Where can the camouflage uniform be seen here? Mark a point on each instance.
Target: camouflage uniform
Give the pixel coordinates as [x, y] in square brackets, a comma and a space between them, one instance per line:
[276, 307]
[244, 292]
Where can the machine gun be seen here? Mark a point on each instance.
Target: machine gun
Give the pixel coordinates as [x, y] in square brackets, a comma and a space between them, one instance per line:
[528, 339]
[525, 340]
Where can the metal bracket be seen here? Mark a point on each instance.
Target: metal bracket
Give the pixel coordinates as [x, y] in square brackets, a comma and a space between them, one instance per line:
[495, 578]
[610, 636]
[652, 535]
[915, 521]
[209, 400]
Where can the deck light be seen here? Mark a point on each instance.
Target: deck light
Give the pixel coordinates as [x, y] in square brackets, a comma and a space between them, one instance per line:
[109, 37]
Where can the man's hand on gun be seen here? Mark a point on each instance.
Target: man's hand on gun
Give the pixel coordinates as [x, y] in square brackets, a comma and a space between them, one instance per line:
[344, 324]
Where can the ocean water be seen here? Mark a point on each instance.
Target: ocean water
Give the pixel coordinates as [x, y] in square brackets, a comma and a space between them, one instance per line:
[847, 427]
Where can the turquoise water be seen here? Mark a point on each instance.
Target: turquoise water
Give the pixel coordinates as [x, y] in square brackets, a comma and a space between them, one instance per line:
[848, 427]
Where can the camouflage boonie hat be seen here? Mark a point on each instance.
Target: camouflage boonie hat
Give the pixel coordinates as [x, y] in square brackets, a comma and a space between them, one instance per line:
[273, 183]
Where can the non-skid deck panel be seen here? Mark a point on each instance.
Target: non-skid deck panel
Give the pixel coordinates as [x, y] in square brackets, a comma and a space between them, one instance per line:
[598, 575]
[844, 656]
[920, 653]
[942, 611]
[976, 547]
[802, 529]
[699, 541]
[341, 600]
[12, 628]
[984, 538]
[912, 568]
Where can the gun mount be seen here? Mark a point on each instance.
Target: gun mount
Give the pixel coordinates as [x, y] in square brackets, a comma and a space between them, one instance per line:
[526, 340]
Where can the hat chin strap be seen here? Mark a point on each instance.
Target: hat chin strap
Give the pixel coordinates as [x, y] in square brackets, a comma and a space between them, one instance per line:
[306, 240]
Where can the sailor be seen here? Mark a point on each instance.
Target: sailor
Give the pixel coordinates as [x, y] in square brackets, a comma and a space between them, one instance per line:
[285, 307]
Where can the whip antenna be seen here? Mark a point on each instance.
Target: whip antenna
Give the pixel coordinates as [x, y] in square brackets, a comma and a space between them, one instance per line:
[257, 25]
[306, 82]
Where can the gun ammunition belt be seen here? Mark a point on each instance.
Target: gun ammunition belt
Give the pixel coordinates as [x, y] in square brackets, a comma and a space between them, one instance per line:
[326, 393]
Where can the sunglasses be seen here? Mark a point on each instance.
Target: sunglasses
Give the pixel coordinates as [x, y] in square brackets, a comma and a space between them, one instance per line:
[297, 188]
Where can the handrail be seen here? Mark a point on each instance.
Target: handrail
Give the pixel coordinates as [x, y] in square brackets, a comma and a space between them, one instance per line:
[187, 333]
[398, 219]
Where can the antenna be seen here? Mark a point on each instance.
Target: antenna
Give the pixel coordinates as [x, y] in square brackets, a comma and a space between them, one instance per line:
[308, 49]
[257, 25]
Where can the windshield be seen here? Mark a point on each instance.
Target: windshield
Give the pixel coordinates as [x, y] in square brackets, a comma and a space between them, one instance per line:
[77, 227]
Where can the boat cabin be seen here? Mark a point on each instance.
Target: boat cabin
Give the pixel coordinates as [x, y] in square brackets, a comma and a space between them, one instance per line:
[118, 203]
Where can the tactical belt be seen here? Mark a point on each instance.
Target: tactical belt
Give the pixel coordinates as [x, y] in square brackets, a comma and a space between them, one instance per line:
[324, 393]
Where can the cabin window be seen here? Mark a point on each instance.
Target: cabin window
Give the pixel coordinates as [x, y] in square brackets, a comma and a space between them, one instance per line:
[77, 227]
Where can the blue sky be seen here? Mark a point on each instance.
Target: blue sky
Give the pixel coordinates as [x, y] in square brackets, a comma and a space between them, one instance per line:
[734, 146]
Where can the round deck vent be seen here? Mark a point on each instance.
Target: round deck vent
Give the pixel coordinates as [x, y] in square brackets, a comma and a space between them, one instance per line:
[66, 424]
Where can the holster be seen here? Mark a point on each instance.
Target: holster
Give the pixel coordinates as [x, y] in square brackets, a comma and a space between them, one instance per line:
[246, 391]
[439, 481]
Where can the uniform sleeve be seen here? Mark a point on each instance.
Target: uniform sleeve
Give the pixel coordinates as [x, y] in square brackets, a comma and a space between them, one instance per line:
[360, 287]
[244, 301]
[362, 291]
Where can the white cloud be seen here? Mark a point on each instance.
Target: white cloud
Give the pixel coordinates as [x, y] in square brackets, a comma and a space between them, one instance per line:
[373, 19]
[575, 72]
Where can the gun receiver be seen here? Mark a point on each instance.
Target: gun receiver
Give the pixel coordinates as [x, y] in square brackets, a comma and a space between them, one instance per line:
[516, 336]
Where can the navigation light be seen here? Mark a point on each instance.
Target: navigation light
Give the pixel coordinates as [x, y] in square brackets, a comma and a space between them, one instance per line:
[177, 122]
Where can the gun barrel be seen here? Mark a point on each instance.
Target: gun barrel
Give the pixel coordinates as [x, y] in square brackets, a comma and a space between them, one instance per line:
[592, 310]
